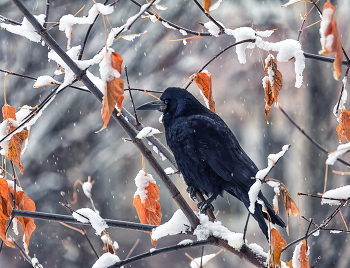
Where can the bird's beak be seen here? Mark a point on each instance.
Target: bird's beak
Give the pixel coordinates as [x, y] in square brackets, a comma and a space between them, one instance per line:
[158, 105]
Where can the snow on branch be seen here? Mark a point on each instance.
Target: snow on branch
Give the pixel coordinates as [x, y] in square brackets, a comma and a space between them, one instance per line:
[333, 156]
[261, 175]
[341, 193]
[86, 215]
[26, 29]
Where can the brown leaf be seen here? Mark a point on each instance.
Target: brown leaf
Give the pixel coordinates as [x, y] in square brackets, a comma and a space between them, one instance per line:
[114, 92]
[23, 202]
[343, 128]
[203, 81]
[15, 143]
[206, 5]
[330, 39]
[291, 207]
[277, 244]
[303, 259]
[272, 84]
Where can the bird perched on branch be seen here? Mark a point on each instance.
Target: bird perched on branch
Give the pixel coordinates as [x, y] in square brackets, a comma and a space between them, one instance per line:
[207, 153]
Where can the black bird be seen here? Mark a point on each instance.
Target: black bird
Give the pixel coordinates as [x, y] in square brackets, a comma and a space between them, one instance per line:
[207, 153]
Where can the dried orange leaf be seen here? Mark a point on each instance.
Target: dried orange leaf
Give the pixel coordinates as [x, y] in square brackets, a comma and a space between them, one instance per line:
[272, 83]
[145, 200]
[277, 244]
[291, 207]
[290, 264]
[303, 259]
[23, 202]
[14, 145]
[114, 91]
[4, 213]
[206, 5]
[343, 128]
[203, 81]
[330, 39]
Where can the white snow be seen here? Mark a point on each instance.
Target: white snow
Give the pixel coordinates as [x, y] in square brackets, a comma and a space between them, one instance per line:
[212, 28]
[131, 37]
[26, 29]
[287, 49]
[155, 149]
[291, 2]
[146, 132]
[162, 156]
[10, 184]
[68, 21]
[96, 221]
[201, 260]
[167, 25]
[272, 159]
[106, 260]
[44, 80]
[115, 243]
[335, 231]
[87, 186]
[142, 180]
[35, 263]
[258, 250]
[107, 72]
[169, 171]
[253, 195]
[317, 233]
[183, 32]
[296, 255]
[176, 225]
[338, 193]
[326, 41]
[159, 7]
[216, 229]
[69, 76]
[333, 156]
[131, 20]
[185, 242]
[153, 18]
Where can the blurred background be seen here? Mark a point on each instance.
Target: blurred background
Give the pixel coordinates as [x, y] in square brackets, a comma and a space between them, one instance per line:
[64, 148]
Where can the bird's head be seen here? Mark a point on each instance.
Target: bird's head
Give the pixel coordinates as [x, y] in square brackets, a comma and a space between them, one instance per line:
[173, 101]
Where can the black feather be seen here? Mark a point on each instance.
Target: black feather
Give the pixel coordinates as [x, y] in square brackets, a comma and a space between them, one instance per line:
[208, 154]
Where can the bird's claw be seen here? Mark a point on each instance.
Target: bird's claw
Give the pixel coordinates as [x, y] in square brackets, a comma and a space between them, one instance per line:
[202, 206]
[192, 193]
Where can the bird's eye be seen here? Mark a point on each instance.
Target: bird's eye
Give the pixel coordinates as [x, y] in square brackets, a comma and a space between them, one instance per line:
[166, 101]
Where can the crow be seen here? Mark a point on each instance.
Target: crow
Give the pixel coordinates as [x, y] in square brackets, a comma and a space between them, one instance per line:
[207, 153]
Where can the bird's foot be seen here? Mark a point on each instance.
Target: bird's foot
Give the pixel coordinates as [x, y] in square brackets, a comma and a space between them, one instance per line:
[192, 193]
[202, 206]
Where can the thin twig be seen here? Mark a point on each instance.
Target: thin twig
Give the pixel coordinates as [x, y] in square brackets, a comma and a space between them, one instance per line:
[341, 92]
[308, 137]
[47, 12]
[132, 100]
[216, 56]
[222, 29]
[132, 249]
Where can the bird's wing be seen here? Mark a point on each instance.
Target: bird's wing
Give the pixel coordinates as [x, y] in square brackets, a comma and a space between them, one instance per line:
[219, 148]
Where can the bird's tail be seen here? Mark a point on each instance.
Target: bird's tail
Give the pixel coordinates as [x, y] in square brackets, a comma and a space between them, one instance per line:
[259, 215]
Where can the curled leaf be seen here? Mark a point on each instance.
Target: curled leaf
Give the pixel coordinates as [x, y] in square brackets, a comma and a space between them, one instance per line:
[272, 83]
[330, 39]
[114, 91]
[291, 207]
[203, 81]
[277, 243]
[206, 5]
[14, 145]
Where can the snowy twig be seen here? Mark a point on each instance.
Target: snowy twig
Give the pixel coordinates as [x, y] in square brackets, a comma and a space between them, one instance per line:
[24, 254]
[324, 224]
[87, 35]
[71, 219]
[327, 229]
[222, 30]
[308, 137]
[159, 251]
[81, 228]
[323, 58]
[2, 18]
[216, 56]
[173, 24]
